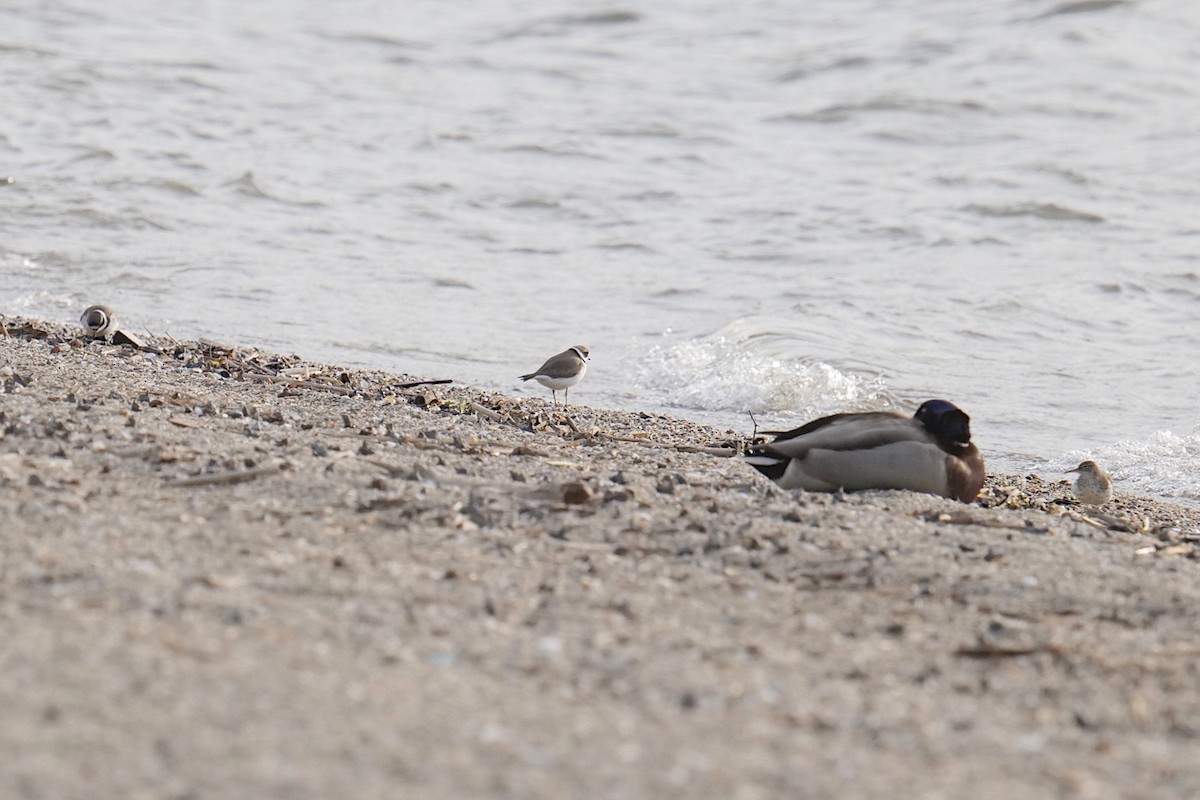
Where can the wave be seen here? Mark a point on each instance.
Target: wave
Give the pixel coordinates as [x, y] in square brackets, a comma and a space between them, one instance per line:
[724, 373]
[1050, 211]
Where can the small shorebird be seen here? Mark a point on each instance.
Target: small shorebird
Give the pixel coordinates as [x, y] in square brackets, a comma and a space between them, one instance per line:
[561, 371]
[928, 452]
[99, 322]
[1093, 487]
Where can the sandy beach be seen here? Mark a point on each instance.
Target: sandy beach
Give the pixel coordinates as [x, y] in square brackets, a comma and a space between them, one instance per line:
[227, 573]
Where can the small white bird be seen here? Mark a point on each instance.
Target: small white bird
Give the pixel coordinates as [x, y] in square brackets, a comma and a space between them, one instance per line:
[1094, 486]
[561, 371]
[99, 322]
[930, 452]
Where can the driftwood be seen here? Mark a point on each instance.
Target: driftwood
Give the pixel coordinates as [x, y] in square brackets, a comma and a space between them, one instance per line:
[719, 452]
[229, 476]
[292, 382]
[487, 413]
[438, 382]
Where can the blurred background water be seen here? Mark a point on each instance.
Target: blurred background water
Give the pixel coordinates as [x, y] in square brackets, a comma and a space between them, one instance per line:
[763, 206]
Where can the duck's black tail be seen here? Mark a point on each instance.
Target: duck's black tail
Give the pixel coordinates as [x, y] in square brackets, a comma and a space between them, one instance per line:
[766, 462]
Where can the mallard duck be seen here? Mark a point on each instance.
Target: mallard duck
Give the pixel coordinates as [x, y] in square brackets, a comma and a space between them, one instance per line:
[928, 452]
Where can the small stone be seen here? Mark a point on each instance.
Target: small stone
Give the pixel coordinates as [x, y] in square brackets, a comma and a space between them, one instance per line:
[575, 493]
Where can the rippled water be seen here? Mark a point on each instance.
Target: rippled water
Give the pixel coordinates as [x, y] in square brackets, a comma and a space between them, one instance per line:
[769, 206]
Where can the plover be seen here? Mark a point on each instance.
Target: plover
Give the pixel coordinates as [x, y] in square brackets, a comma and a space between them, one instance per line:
[928, 452]
[1093, 487]
[561, 371]
[99, 322]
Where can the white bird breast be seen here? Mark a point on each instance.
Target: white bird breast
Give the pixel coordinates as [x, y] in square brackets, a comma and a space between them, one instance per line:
[561, 383]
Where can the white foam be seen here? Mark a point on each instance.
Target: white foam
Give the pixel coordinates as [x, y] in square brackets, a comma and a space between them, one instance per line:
[1165, 465]
[46, 304]
[724, 373]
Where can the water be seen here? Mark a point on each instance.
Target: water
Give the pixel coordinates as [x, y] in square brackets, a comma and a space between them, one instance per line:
[738, 206]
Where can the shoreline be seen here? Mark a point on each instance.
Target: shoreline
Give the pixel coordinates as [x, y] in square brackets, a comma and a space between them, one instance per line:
[230, 572]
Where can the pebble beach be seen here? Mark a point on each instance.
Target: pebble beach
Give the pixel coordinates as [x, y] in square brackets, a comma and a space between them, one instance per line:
[232, 573]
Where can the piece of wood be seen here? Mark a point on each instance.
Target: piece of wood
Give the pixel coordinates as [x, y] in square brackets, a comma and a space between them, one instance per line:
[292, 382]
[720, 452]
[230, 476]
[437, 382]
[486, 413]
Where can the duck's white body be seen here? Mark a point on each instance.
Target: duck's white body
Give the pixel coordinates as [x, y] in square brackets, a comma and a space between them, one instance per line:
[900, 465]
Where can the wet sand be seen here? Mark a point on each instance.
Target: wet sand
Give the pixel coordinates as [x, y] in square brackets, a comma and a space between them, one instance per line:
[226, 573]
